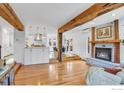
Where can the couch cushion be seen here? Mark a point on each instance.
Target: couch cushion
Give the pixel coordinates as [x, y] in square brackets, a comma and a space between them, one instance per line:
[121, 75]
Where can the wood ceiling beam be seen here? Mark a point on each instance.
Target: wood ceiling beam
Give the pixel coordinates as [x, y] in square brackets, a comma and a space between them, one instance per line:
[90, 14]
[10, 16]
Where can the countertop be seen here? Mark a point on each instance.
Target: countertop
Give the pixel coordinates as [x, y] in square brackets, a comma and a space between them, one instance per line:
[34, 47]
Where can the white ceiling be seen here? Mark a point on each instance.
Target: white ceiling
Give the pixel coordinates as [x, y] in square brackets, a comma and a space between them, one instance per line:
[56, 15]
[50, 14]
[5, 24]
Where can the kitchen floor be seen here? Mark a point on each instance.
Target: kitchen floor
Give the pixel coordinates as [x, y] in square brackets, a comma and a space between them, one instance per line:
[64, 73]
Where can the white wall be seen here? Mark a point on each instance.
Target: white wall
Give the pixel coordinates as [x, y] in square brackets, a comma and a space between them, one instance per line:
[19, 43]
[121, 34]
[7, 41]
[86, 34]
[80, 41]
[6, 38]
[9, 34]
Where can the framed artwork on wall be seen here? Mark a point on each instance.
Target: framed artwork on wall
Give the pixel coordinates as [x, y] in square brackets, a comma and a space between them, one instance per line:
[104, 32]
[68, 44]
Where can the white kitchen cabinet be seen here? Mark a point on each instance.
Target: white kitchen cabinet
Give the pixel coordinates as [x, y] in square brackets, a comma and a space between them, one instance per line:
[36, 55]
[27, 56]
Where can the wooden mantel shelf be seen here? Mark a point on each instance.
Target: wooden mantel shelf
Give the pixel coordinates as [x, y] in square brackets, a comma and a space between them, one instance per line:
[106, 41]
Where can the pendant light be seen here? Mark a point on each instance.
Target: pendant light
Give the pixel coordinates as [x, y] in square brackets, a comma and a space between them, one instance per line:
[44, 32]
[38, 36]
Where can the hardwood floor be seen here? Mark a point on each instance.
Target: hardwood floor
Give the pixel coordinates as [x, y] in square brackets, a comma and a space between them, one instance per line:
[64, 73]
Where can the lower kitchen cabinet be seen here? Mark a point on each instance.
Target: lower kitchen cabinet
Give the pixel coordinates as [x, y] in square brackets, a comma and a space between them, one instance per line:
[36, 55]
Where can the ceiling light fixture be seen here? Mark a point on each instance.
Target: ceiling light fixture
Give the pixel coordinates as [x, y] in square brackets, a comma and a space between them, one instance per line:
[113, 14]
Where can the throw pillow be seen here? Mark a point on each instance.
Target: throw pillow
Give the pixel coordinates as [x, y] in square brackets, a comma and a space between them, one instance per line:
[112, 70]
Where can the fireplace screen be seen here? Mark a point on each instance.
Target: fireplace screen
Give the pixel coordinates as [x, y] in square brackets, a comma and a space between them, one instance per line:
[103, 53]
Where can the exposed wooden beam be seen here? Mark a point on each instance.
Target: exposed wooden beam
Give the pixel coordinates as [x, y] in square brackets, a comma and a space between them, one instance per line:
[117, 45]
[10, 16]
[93, 40]
[116, 28]
[89, 14]
[60, 46]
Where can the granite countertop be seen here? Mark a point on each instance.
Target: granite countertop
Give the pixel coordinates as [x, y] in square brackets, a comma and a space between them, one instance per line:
[7, 70]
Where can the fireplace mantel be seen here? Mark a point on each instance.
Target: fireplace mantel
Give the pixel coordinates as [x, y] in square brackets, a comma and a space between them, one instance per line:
[115, 41]
[106, 41]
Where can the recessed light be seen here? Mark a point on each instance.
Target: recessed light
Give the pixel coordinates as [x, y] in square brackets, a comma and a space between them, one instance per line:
[113, 14]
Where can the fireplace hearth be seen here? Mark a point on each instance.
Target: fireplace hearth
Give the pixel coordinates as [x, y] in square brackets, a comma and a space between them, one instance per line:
[103, 53]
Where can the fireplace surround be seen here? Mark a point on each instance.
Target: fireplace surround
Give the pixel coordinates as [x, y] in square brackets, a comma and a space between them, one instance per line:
[103, 53]
[113, 42]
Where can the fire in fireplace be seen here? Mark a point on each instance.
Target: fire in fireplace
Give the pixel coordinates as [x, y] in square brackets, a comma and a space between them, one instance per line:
[103, 53]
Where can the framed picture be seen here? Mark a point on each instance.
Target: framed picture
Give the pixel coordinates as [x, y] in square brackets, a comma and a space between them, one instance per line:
[104, 32]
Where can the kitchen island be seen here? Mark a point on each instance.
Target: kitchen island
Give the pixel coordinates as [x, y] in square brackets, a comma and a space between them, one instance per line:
[36, 55]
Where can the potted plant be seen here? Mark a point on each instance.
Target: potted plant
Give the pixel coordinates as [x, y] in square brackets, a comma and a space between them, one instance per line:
[122, 41]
